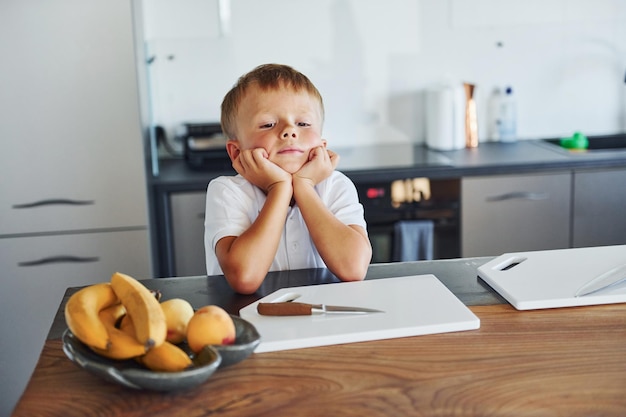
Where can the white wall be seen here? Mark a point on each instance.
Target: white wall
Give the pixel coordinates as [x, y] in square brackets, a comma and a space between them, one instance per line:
[372, 60]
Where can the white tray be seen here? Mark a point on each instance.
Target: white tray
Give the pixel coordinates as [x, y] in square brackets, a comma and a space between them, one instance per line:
[550, 279]
[412, 305]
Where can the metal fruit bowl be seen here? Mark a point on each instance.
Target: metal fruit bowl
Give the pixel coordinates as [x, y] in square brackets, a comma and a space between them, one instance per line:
[247, 338]
[131, 374]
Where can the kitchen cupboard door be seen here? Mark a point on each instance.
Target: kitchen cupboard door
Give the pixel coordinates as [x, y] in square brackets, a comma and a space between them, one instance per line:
[32, 289]
[599, 216]
[70, 130]
[514, 213]
[187, 210]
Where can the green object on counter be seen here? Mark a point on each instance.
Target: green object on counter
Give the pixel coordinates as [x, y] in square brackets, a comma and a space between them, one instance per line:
[577, 141]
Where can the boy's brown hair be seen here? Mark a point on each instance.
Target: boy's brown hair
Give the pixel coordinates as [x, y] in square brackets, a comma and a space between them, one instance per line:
[267, 76]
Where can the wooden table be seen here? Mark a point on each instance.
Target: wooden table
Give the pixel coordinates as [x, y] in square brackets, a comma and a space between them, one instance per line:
[558, 362]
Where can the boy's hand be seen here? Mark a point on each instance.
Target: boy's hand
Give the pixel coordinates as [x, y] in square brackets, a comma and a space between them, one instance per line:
[254, 165]
[322, 162]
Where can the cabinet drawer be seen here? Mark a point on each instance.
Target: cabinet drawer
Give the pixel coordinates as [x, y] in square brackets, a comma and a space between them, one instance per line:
[599, 203]
[76, 259]
[106, 203]
[31, 295]
[188, 232]
[514, 213]
[38, 270]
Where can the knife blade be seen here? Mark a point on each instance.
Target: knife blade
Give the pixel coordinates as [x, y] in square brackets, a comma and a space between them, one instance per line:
[304, 309]
[608, 279]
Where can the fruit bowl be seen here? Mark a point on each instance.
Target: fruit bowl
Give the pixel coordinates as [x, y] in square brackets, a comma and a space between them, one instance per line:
[247, 338]
[131, 374]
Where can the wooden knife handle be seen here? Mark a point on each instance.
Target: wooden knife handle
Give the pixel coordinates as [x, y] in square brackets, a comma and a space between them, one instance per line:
[284, 309]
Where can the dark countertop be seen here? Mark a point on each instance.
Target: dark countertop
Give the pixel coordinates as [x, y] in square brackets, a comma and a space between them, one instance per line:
[459, 275]
[389, 162]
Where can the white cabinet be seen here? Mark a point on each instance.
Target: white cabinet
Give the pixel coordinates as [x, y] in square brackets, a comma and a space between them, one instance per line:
[187, 211]
[70, 117]
[73, 204]
[32, 291]
[599, 203]
[514, 213]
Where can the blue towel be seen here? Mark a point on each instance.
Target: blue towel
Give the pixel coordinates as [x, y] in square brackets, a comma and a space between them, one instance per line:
[413, 240]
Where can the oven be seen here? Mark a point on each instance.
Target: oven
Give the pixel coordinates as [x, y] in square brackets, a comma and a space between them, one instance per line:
[426, 212]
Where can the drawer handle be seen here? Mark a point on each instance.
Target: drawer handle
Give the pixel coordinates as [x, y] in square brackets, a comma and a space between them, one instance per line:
[54, 201]
[519, 195]
[60, 259]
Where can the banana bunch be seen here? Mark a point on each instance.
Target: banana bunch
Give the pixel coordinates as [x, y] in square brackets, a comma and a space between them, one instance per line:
[122, 319]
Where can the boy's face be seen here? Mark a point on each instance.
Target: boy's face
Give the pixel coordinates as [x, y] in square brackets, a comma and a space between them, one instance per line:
[284, 122]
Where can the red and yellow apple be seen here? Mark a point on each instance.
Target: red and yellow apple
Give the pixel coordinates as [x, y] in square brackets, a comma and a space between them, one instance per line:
[210, 325]
[177, 312]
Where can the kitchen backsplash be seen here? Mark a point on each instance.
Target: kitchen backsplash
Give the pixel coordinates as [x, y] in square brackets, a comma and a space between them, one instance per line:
[373, 60]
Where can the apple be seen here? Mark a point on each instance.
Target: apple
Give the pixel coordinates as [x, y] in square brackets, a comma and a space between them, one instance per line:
[210, 325]
[177, 312]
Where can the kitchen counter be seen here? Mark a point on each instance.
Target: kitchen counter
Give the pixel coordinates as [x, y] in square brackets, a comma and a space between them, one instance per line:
[366, 164]
[566, 361]
[203, 290]
[388, 162]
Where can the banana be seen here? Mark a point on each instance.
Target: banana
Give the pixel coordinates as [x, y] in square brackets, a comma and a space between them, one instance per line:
[143, 308]
[126, 325]
[123, 345]
[167, 357]
[112, 314]
[81, 314]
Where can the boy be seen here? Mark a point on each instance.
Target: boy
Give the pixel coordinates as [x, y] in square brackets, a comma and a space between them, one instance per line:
[288, 208]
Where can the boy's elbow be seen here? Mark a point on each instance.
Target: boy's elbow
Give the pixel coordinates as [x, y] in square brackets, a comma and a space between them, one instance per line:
[354, 266]
[352, 274]
[244, 282]
[355, 270]
[352, 277]
[244, 288]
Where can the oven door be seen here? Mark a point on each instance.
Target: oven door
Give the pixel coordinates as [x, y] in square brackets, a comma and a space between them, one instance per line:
[445, 244]
[414, 200]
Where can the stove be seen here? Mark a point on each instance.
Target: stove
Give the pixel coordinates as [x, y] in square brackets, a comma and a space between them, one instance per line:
[392, 155]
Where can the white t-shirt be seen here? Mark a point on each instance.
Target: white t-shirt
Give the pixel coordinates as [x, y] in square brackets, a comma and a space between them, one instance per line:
[233, 203]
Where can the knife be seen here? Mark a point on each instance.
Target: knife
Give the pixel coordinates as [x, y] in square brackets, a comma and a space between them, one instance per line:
[304, 309]
[611, 277]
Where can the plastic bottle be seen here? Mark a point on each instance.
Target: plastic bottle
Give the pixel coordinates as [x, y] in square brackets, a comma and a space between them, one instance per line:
[508, 117]
[493, 126]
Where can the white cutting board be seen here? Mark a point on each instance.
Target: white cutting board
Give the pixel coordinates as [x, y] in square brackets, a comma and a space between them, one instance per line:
[550, 279]
[412, 305]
